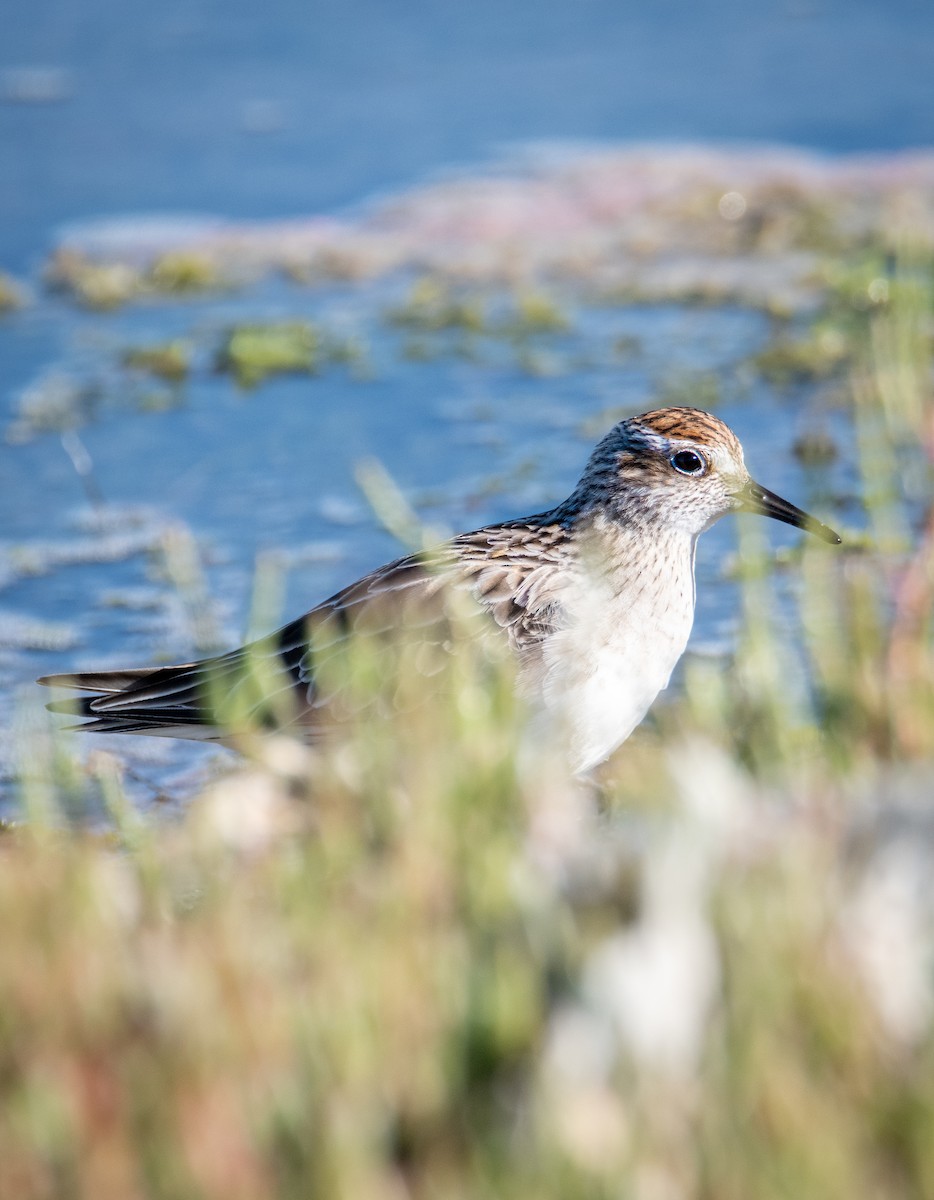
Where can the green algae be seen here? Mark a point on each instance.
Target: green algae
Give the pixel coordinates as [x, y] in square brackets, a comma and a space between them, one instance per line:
[252, 353]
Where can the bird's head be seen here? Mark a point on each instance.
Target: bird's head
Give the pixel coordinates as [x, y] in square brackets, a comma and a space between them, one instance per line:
[680, 469]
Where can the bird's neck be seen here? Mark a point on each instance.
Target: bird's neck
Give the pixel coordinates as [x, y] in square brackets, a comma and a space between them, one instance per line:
[633, 558]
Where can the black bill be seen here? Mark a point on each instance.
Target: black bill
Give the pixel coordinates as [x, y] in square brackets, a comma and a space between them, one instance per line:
[755, 498]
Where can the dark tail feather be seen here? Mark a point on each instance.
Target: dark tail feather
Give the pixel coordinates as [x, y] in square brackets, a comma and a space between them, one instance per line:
[176, 701]
[118, 725]
[133, 696]
[103, 682]
[77, 706]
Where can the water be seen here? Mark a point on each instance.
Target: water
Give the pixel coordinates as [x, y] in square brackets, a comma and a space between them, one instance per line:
[290, 109]
[361, 95]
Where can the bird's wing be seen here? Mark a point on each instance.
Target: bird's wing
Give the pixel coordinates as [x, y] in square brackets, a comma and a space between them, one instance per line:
[509, 570]
[515, 572]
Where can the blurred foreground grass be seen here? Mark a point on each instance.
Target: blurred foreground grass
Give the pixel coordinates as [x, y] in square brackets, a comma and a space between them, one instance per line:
[428, 964]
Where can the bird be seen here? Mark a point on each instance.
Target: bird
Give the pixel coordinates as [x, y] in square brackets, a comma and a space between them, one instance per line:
[594, 598]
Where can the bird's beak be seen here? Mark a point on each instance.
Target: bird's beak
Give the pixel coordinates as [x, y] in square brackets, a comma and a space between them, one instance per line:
[755, 498]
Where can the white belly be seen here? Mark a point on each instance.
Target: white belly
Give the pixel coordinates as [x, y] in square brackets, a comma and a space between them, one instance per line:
[604, 705]
[604, 671]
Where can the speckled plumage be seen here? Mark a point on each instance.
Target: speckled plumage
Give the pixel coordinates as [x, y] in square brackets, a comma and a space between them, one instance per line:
[595, 597]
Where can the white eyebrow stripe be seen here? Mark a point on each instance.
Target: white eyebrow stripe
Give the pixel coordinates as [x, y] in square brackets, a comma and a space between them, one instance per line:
[654, 441]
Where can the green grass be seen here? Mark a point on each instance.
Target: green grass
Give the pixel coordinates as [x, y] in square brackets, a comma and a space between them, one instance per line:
[428, 964]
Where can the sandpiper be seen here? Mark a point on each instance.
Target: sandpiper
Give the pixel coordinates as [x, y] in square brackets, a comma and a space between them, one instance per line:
[595, 597]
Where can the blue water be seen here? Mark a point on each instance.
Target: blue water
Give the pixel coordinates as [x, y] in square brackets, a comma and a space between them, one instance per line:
[362, 95]
[288, 108]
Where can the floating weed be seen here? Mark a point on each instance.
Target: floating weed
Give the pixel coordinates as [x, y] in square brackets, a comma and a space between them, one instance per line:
[103, 286]
[107, 285]
[182, 273]
[433, 305]
[166, 360]
[349, 350]
[252, 353]
[442, 318]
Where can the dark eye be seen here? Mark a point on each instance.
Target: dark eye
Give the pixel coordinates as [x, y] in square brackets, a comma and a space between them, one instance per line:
[689, 462]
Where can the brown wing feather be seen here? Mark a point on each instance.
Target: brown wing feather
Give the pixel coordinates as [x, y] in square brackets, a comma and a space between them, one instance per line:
[509, 569]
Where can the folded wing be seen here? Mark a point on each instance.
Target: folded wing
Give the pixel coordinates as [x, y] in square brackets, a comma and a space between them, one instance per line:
[288, 678]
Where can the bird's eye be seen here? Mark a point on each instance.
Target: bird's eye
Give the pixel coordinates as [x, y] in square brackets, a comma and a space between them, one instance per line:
[689, 462]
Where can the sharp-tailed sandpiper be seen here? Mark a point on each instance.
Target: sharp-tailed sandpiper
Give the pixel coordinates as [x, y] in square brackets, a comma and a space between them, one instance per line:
[594, 596]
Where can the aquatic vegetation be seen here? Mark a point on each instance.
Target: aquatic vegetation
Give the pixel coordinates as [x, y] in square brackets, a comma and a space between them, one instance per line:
[11, 294]
[185, 272]
[251, 353]
[433, 305]
[98, 285]
[170, 361]
[441, 317]
[619, 225]
[535, 312]
[104, 284]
